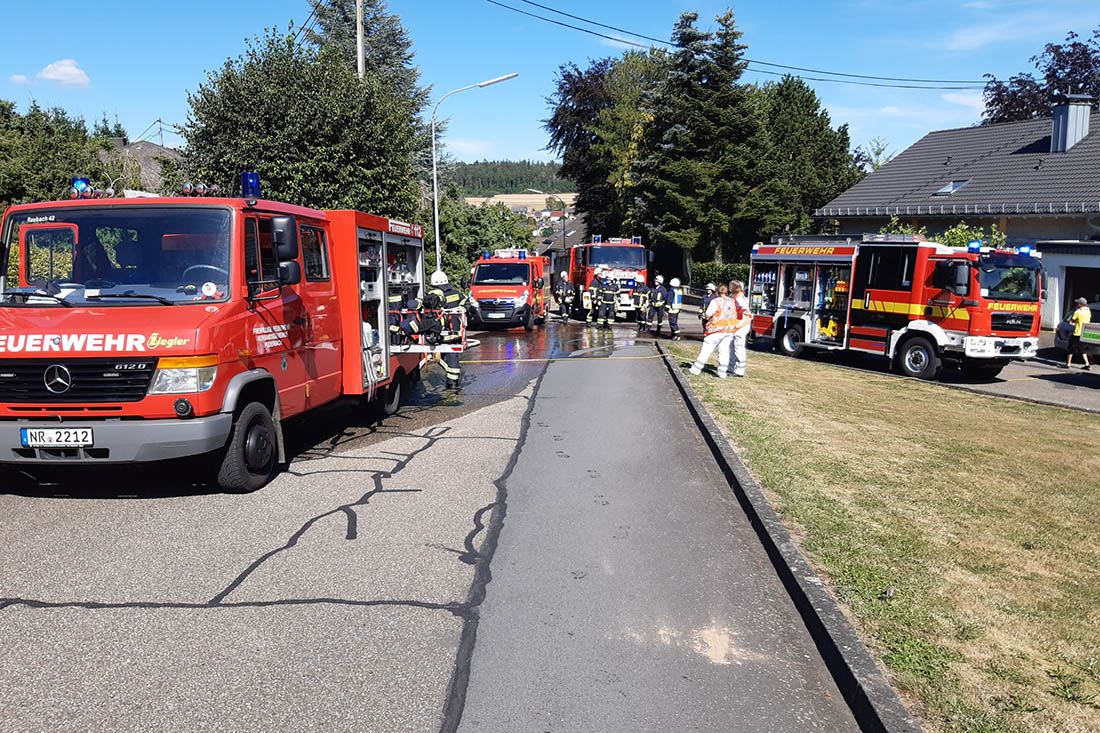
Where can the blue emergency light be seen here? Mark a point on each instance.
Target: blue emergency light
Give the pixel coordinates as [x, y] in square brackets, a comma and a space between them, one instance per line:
[523, 254]
[596, 238]
[81, 188]
[974, 245]
[487, 255]
[635, 240]
[250, 186]
[1025, 249]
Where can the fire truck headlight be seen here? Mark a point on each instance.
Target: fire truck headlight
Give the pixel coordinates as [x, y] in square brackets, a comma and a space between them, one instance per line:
[522, 299]
[184, 375]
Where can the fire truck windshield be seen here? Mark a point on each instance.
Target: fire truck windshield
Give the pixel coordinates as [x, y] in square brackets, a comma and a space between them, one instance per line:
[630, 257]
[502, 273]
[1008, 277]
[118, 255]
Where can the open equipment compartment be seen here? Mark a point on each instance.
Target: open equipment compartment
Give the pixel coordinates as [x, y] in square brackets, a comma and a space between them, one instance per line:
[373, 306]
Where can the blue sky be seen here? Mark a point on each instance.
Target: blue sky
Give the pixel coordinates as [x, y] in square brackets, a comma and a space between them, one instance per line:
[138, 60]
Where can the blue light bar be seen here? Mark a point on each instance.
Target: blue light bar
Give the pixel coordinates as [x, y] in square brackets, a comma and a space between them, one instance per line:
[250, 186]
[81, 188]
[596, 238]
[523, 254]
[1025, 249]
[974, 245]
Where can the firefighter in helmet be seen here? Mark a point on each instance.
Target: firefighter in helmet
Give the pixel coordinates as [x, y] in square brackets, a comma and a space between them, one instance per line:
[657, 298]
[594, 294]
[453, 303]
[609, 290]
[641, 305]
[712, 293]
[675, 305]
[563, 293]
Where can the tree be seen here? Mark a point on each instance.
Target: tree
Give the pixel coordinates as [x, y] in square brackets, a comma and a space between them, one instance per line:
[488, 178]
[316, 134]
[957, 236]
[876, 155]
[1072, 67]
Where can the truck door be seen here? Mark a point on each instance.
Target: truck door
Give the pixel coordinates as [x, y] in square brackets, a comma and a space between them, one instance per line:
[277, 324]
[323, 346]
[882, 294]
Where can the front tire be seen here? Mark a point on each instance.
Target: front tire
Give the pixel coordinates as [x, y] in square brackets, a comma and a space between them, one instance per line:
[790, 341]
[918, 359]
[529, 323]
[251, 456]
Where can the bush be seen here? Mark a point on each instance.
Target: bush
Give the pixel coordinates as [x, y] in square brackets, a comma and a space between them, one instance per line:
[718, 273]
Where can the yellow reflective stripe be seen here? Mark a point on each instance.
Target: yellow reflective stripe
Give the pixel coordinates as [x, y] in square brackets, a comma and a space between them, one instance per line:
[913, 309]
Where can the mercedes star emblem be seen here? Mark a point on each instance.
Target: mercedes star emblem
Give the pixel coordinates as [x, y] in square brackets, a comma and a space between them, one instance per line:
[58, 379]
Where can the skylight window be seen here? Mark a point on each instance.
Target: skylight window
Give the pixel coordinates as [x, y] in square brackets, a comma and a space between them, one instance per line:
[951, 188]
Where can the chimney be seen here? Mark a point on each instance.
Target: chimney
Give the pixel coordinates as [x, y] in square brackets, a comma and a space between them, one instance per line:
[1071, 121]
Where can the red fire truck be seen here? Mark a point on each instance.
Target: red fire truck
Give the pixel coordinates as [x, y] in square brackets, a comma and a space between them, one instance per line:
[627, 261]
[509, 287]
[918, 303]
[158, 328]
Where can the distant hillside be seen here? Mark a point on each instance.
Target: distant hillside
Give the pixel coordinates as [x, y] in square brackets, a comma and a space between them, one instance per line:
[489, 177]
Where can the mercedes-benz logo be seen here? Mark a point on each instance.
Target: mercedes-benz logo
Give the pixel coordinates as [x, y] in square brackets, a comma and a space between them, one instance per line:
[58, 379]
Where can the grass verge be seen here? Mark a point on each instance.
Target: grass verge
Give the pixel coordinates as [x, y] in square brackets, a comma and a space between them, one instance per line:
[961, 532]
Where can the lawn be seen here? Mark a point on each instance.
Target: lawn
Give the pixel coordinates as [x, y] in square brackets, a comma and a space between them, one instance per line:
[960, 532]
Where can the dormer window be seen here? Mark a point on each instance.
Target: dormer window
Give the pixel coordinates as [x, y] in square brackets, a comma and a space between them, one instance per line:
[951, 188]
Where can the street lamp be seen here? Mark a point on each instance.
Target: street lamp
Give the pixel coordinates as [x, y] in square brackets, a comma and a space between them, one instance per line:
[435, 177]
[562, 202]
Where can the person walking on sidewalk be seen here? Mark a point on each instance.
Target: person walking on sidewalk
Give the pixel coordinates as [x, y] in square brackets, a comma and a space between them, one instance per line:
[721, 317]
[1079, 319]
[738, 353]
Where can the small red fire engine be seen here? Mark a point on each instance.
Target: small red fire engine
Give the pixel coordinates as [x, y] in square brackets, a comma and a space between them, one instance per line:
[919, 303]
[157, 328]
[509, 287]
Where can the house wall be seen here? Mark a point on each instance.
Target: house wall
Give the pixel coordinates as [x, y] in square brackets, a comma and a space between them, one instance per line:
[1022, 230]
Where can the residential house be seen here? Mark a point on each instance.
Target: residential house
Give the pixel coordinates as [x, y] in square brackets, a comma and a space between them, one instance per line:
[1037, 180]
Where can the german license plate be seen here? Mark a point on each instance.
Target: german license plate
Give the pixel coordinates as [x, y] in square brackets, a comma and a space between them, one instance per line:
[56, 437]
[496, 315]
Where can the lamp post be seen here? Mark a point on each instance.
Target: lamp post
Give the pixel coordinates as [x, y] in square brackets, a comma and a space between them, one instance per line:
[435, 177]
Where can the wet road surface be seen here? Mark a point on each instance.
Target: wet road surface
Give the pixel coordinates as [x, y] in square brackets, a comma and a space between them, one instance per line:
[551, 548]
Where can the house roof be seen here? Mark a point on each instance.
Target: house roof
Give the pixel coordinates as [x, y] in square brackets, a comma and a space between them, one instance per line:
[1008, 169]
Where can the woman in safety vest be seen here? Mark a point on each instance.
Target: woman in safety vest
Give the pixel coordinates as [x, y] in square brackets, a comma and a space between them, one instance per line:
[721, 317]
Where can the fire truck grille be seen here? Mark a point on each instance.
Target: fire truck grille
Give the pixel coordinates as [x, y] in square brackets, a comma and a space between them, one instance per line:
[497, 306]
[52, 381]
[1018, 322]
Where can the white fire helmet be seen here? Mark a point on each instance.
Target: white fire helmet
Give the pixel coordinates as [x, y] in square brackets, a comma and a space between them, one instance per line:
[712, 287]
[674, 282]
[439, 278]
[564, 275]
[660, 279]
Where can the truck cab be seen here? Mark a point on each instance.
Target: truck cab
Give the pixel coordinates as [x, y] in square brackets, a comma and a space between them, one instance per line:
[137, 330]
[509, 288]
[627, 263]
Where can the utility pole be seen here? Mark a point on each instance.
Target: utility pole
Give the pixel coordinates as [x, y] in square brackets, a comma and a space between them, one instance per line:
[161, 123]
[359, 63]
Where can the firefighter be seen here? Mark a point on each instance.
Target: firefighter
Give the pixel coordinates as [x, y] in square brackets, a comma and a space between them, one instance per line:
[410, 321]
[452, 304]
[609, 291]
[564, 295]
[711, 295]
[675, 305]
[594, 295]
[395, 304]
[641, 305]
[657, 297]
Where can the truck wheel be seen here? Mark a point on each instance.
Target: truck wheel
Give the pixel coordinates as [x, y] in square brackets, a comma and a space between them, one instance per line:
[981, 371]
[250, 458]
[389, 402]
[790, 342]
[529, 324]
[917, 358]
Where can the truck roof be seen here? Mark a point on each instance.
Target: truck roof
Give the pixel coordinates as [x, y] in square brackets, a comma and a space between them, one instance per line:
[236, 203]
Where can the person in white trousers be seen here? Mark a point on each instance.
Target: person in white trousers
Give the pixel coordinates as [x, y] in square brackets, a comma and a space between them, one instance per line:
[738, 354]
[721, 320]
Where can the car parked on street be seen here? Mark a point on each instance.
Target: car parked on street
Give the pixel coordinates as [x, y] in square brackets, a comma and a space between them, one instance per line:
[1090, 338]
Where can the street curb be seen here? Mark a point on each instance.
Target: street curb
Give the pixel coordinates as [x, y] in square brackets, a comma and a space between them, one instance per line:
[873, 702]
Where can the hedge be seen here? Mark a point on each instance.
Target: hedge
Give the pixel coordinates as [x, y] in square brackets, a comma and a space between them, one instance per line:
[718, 273]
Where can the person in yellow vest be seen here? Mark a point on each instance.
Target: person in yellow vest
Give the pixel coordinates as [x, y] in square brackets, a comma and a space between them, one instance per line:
[675, 305]
[738, 353]
[1079, 319]
[721, 323]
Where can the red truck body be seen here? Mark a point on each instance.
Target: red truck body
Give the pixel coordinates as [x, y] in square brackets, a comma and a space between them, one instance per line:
[627, 261]
[509, 288]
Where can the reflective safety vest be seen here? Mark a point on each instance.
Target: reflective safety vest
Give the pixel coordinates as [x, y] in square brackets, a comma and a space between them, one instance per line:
[724, 318]
[641, 297]
[451, 300]
[657, 296]
[744, 315]
[675, 300]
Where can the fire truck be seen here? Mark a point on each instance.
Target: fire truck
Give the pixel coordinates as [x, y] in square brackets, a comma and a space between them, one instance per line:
[628, 263]
[509, 287]
[916, 302]
[158, 328]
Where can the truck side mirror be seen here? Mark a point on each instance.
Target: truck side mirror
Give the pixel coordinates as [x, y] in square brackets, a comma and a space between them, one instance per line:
[961, 281]
[649, 256]
[284, 233]
[290, 272]
[538, 284]
[465, 283]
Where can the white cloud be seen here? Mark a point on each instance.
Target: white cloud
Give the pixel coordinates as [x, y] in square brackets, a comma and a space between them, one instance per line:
[66, 72]
[622, 43]
[973, 101]
[18, 78]
[470, 147]
[1027, 25]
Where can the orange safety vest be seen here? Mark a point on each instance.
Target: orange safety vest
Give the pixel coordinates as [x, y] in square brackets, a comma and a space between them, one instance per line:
[744, 316]
[725, 319]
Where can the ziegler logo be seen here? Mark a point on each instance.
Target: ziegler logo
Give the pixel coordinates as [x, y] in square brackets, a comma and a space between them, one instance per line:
[156, 341]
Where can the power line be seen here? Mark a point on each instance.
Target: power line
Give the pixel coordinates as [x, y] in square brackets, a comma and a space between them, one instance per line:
[916, 83]
[305, 26]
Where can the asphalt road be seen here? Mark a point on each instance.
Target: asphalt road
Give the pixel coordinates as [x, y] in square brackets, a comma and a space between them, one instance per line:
[550, 549]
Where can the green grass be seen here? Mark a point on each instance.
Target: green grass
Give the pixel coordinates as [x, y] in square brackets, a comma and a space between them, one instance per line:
[961, 532]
